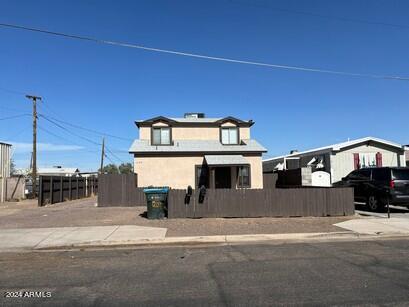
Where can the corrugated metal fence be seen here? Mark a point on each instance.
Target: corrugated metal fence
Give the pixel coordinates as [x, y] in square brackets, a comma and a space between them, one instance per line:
[121, 190]
[55, 189]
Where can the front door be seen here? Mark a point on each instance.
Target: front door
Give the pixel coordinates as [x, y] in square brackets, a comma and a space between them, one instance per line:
[222, 177]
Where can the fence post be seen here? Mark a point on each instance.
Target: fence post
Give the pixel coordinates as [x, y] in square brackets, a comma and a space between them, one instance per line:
[77, 189]
[51, 189]
[70, 188]
[40, 190]
[61, 189]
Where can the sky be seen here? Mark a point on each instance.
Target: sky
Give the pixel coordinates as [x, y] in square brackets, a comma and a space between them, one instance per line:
[105, 88]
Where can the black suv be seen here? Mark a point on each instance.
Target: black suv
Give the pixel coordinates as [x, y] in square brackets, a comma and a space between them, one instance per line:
[376, 185]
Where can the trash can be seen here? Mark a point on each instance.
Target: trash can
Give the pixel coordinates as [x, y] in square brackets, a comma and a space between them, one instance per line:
[156, 199]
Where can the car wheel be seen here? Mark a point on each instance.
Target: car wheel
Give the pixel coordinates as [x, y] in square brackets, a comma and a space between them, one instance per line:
[373, 203]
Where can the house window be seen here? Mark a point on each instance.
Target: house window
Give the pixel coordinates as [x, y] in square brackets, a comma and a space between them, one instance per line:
[230, 136]
[202, 176]
[161, 136]
[244, 177]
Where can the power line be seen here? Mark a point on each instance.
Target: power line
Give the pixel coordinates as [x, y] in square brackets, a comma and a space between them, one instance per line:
[77, 135]
[90, 130]
[114, 155]
[12, 109]
[12, 91]
[340, 18]
[206, 57]
[15, 116]
[62, 138]
[69, 131]
[18, 133]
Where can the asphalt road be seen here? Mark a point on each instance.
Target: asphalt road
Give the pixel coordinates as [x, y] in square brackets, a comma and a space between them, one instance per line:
[337, 273]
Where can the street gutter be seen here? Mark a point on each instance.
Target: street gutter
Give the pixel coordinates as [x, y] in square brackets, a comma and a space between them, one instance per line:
[226, 240]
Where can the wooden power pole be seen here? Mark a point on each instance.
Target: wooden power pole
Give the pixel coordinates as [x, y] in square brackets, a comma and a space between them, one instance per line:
[102, 155]
[34, 172]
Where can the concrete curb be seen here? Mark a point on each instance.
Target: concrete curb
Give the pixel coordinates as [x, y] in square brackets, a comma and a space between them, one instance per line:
[226, 239]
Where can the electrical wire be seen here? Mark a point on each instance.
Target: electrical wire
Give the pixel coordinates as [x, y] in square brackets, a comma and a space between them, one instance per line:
[12, 91]
[114, 155]
[69, 131]
[205, 57]
[90, 130]
[18, 133]
[15, 116]
[12, 109]
[77, 135]
[339, 18]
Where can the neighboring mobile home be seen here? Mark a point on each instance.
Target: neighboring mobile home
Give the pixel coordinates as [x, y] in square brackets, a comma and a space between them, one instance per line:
[58, 171]
[197, 151]
[340, 159]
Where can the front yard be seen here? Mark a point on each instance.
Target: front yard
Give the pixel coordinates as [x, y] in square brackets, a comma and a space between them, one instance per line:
[83, 212]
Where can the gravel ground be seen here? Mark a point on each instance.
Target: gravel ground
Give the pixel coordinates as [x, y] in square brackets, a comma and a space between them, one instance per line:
[84, 212]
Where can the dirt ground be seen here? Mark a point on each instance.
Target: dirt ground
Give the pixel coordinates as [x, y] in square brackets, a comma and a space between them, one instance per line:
[84, 212]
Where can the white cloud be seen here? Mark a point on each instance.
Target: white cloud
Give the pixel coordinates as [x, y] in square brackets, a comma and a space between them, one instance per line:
[43, 147]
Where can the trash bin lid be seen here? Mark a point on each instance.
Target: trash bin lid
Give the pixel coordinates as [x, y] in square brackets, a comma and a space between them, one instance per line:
[156, 190]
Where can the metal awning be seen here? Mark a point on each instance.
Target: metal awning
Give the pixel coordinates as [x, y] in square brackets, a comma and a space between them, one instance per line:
[220, 160]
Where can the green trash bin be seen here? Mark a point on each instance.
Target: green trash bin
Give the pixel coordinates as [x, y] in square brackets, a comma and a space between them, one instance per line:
[156, 199]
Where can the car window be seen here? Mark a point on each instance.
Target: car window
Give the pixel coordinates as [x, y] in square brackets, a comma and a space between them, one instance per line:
[365, 174]
[353, 175]
[362, 174]
[381, 174]
[401, 174]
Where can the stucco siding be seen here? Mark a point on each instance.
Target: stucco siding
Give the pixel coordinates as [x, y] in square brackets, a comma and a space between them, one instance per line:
[256, 170]
[175, 172]
[193, 133]
[145, 133]
[179, 172]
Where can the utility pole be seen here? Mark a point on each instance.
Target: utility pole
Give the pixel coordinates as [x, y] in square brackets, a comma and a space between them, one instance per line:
[102, 155]
[34, 173]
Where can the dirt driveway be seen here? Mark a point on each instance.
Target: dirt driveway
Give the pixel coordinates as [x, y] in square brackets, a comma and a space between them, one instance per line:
[84, 212]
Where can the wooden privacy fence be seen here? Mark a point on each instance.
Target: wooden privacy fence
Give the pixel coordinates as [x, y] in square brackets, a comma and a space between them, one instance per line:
[263, 203]
[119, 190]
[55, 189]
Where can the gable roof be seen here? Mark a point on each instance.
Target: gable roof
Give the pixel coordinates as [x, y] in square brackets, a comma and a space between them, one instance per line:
[190, 121]
[196, 146]
[340, 146]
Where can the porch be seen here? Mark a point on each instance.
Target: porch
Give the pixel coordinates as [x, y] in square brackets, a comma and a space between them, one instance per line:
[223, 172]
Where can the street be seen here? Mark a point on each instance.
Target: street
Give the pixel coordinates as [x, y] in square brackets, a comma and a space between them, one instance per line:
[326, 273]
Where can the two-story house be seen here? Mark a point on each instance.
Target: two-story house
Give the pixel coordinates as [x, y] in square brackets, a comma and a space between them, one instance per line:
[196, 151]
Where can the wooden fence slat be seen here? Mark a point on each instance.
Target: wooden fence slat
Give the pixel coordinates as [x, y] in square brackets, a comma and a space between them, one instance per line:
[54, 189]
[121, 190]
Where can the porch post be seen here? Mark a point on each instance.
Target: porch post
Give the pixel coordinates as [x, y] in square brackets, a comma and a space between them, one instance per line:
[212, 184]
[233, 174]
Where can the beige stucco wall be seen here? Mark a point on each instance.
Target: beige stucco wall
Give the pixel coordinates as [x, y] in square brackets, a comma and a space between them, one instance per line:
[245, 133]
[193, 133]
[256, 169]
[145, 133]
[342, 163]
[179, 172]
[175, 172]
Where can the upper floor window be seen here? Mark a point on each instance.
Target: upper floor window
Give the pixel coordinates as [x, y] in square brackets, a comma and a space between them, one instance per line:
[161, 136]
[230, 135]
